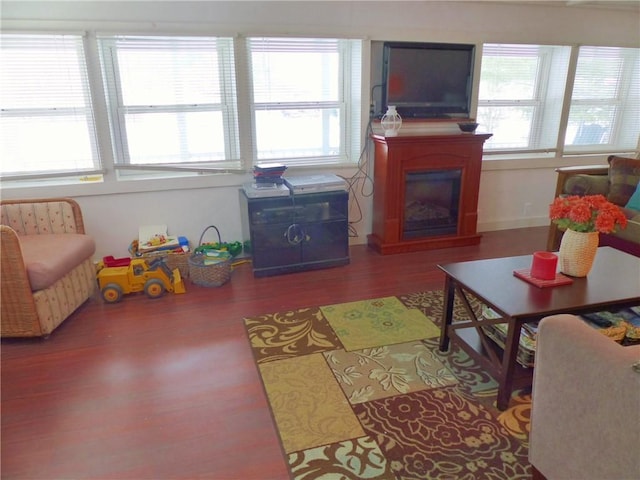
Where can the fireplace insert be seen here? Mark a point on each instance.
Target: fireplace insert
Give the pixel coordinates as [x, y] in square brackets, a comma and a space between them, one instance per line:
[431, 203]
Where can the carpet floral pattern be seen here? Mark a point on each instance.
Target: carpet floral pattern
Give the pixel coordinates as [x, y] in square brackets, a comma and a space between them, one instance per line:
[387, 404]
[377, 322]
[440, 433]
[381, 372]
[307, 403]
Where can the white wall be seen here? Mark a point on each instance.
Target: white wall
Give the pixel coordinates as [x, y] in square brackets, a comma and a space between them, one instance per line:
[512, 194]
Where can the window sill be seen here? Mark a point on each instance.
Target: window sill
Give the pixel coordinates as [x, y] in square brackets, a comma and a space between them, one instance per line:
[110, 186]
[528, 162]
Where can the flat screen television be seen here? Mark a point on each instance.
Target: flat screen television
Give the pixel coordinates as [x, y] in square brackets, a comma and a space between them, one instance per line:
[428, 80]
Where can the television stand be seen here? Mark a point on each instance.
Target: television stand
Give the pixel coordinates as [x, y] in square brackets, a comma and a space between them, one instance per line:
[296, 232]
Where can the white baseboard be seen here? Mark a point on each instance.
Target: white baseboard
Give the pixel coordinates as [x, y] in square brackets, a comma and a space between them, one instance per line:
[491, 226]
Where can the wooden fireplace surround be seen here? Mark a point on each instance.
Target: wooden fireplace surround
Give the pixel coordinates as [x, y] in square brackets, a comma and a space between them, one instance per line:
[415, 153]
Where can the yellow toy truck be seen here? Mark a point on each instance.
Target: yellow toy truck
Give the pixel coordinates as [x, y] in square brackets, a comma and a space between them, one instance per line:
[152, 278]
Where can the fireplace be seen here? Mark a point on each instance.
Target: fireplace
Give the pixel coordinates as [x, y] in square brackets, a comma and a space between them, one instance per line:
[426, 191]
[431, 203]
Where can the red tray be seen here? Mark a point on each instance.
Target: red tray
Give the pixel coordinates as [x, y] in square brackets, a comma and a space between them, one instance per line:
[525, 274]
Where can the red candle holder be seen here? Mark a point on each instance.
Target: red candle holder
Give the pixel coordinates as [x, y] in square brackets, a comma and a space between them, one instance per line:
[543, 266]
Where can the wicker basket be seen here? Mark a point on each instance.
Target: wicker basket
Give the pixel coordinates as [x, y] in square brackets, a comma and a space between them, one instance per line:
[207, 271]
[173, 260]
[209, 275]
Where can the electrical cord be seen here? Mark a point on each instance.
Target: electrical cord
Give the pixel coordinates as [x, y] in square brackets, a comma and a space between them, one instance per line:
[294, 233]
[361, 181]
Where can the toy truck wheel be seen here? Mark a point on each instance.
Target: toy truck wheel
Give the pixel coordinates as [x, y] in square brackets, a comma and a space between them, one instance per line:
[112, 293]
[154, 288]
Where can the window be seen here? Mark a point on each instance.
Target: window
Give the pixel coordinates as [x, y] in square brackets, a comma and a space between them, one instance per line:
[521, 95]
[305, 99]
[172, 101]
[175, 103]
[47, 120]
[605, 103]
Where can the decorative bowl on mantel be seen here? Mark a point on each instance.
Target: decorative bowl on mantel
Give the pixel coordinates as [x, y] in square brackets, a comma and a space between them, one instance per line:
[468, 127]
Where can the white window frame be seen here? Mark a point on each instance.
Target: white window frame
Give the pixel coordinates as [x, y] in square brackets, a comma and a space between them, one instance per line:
[239, 132]
[623, 134]
[232, 162]
[348, 101]
[40, 72]
[546, 101]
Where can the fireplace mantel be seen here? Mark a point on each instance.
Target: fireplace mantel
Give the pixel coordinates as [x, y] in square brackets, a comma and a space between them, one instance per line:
[397, 157]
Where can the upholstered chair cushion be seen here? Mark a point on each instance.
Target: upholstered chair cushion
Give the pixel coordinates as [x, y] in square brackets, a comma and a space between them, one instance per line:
[50, 257]
[587, 185]
[624, 175]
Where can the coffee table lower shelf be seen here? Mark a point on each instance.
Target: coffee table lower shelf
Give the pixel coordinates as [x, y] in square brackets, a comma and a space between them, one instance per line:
[468, 339]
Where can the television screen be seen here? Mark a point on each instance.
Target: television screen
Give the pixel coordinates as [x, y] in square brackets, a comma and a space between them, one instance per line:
[428, 80]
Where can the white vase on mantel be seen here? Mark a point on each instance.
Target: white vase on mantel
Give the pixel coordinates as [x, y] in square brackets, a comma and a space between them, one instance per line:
[391, 122]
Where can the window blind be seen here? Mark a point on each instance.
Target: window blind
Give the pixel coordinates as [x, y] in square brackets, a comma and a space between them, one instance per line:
[605, 103]
[520, 96]
[172, 101]
[47, 119]
[303, 100]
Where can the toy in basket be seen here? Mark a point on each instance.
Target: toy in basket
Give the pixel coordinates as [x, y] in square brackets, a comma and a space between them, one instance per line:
[210, 265]
[174, 258]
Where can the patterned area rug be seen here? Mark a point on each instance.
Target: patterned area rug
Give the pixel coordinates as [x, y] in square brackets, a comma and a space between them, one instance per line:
[360, 391]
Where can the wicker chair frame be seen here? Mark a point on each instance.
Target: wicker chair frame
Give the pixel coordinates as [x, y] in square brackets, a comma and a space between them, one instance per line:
[19, 313]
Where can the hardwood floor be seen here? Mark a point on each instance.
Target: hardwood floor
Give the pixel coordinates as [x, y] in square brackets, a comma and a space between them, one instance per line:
[167, 388]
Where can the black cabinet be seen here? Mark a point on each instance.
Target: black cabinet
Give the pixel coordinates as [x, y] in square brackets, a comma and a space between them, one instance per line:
[297, 232]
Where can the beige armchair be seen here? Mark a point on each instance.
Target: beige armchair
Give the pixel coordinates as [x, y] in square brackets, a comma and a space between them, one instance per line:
[47, 268]
[585, 417]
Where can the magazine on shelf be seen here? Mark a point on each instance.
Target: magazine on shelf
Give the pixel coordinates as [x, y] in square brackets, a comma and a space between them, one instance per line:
[622, 325]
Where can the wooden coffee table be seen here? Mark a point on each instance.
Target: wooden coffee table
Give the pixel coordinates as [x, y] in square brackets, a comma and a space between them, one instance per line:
[614, 282]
